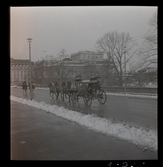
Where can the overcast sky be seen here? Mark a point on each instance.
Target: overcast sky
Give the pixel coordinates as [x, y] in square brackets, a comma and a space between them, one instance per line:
[71, 28]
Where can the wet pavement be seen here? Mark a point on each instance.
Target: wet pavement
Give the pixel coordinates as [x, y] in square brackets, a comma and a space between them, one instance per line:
[38, 135]
[136, 111]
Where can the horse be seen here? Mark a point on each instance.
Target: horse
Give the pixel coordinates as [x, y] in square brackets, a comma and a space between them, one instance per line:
[53, 89]
[65, 90]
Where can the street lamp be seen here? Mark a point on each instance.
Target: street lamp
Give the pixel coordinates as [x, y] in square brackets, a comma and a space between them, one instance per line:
[125, 68]
[30, 82]
[60, 70]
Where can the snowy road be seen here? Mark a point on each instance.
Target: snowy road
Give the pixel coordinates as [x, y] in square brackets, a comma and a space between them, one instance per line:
[99, 118]
[136, 111]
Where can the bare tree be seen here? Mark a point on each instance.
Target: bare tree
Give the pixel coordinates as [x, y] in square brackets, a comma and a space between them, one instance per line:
[147, 65]
[148, 51]
[48, 68]
[62, 69]
[114, 45]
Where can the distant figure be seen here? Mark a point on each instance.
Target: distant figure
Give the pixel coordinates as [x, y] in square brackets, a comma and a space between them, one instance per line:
[24, 87]
[33, 86]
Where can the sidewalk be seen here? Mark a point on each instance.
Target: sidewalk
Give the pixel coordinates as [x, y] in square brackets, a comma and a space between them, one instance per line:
[37, 135]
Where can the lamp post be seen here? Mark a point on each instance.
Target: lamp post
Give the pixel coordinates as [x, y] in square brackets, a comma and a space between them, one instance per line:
[30, 82]
[60, 70]
[125, 68]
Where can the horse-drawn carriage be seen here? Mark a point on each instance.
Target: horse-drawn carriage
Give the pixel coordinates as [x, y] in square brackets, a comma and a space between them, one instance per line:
[88, 90]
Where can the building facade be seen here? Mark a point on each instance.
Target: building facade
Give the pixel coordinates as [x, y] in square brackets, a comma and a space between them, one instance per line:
[50, 71]
[46, 72]
[19, 71]
[87, 55]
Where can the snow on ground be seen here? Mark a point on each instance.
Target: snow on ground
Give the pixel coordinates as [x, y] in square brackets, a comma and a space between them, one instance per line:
[142, 137]
[134, 95]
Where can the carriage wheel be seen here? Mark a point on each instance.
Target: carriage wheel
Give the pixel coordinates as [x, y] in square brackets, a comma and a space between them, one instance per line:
[74, 97]
[87, 99]
[102, 97]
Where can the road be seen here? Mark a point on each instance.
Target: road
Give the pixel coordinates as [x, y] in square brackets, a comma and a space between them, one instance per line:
[137, 111]
[38, 135]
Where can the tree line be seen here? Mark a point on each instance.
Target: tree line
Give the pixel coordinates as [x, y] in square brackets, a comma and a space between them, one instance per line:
[122, 52]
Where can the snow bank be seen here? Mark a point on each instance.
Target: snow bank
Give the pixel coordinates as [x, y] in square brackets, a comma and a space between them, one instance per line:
[15, 86]
[42, 88]
[139, 136]
[150, 96]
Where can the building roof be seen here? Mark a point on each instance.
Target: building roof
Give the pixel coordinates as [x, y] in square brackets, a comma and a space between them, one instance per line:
[87, 52]
[19, 61]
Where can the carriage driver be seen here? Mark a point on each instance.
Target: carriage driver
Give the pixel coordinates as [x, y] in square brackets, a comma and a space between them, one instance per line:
[91, 85]
[78, 79]
[94, 83]
[98, 87]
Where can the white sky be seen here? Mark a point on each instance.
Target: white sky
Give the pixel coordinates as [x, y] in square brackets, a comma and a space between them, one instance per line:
[71, 28]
